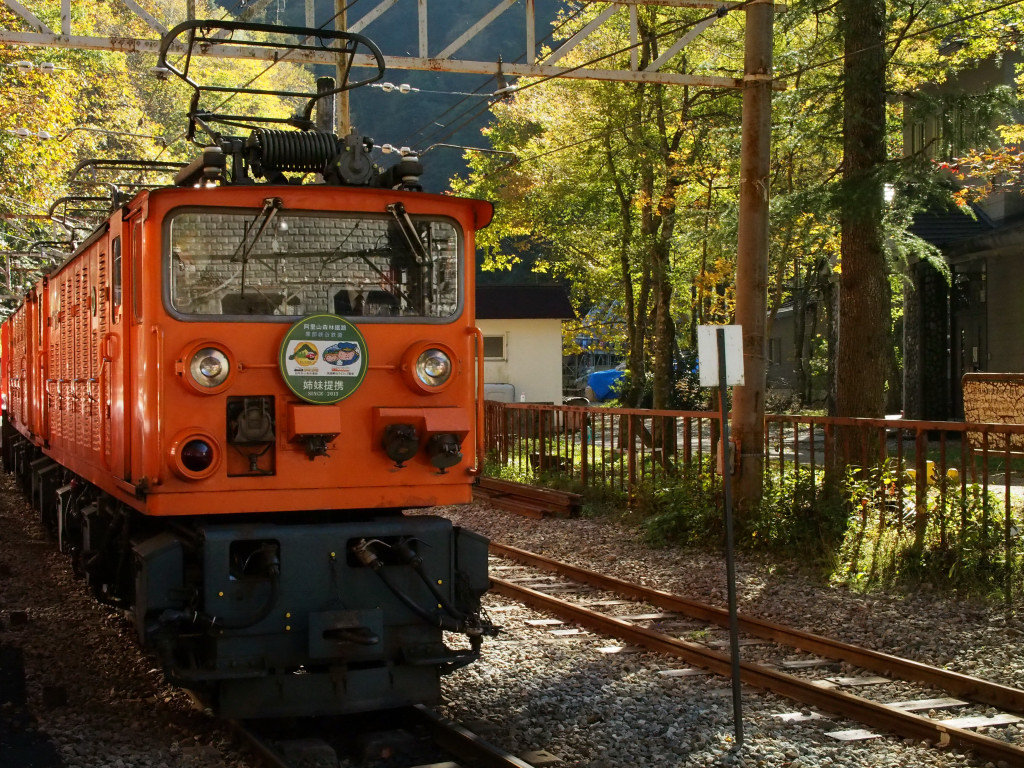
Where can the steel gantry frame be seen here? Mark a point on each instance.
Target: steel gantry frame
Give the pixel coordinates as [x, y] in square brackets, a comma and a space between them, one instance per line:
[430, 56]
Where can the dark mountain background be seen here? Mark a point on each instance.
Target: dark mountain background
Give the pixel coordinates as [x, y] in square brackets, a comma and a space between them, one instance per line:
[439, 113]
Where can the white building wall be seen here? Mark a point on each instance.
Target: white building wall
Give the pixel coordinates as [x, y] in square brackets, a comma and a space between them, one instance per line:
[533, 358]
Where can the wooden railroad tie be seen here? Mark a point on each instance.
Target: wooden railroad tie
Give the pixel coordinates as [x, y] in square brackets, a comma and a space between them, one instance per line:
[527, 500]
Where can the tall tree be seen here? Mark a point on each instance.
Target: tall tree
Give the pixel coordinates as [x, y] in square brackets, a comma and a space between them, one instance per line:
[864, 310]
[638, 188]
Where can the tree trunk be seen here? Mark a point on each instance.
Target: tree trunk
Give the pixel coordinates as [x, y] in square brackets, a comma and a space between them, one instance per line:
[864, 313]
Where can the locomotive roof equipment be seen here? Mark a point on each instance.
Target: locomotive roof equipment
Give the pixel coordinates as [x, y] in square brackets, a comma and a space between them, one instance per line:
[270, 153]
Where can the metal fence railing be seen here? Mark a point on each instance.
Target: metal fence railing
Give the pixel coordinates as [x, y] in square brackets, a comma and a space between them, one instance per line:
[613, 448]
[944, 485]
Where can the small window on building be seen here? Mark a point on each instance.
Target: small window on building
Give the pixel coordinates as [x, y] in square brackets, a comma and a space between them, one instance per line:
[494, 347]
[774, 351]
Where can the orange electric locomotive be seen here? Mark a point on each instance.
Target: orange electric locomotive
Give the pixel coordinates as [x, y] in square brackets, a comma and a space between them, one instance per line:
[225, 397]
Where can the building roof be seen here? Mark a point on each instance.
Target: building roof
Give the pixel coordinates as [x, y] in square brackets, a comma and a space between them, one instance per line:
[944, 229]
[517, 302]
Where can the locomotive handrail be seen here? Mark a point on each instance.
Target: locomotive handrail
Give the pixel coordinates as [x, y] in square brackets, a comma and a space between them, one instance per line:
[157, 331]
[104, 417]
[107, 354]
[479, 337]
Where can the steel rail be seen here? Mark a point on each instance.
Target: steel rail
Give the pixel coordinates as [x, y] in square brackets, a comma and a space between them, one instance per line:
[880, 716]
[264, 752]
[464, 743]
[973, 688]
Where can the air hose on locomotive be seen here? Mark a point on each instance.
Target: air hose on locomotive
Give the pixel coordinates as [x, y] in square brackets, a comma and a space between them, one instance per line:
[271, 566]
[166, 631]
[455, 621]
[411, 557]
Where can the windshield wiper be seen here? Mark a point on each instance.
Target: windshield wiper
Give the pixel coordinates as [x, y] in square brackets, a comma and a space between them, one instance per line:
[408, 230]
[271, 206]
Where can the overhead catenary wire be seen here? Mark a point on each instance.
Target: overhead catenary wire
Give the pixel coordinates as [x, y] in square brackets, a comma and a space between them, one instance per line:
[435, 120]
[719, 12]
[467, 116]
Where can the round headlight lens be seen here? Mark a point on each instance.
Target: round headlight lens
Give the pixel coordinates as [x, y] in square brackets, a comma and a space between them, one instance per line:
[209, 367]
[433, 367]
[197, 455]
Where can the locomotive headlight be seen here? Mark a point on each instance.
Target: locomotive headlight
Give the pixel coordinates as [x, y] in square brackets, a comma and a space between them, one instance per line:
[209, 367]
[206, 366]
[433, 367]
[430, 367]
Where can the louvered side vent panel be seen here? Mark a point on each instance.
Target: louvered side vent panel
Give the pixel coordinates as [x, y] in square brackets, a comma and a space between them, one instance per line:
[92, 421]
[81, 352]
[71, 398]
[103, 374]
[67, 377]
[54, 362]
[18, 368]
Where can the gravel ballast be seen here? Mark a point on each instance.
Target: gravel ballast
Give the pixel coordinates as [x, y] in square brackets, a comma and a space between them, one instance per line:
[563, 694]
[93, 700]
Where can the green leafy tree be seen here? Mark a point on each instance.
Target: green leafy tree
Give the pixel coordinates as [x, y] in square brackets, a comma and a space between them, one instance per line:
[98, 104]
[621, 189]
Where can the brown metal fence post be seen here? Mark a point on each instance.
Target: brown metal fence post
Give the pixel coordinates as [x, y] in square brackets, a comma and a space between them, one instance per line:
[921, 494]
[630, 453]
[584, 448]
[1007, 528]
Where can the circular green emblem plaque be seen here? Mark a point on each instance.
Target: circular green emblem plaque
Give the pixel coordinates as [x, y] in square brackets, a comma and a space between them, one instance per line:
[323, 358]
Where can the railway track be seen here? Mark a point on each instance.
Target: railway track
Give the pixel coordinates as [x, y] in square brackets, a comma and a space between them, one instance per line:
[831, 695]
[415, 736]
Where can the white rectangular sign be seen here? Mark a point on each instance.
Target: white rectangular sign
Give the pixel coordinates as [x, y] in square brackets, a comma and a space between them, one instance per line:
[707, 354]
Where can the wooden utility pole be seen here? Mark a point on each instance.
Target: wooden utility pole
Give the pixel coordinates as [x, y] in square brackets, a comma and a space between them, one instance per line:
[341, 122]
[752, 251]
[342, 108]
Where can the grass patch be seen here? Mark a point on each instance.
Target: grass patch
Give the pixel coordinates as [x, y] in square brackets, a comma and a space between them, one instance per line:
[868, 530]
[968, 543]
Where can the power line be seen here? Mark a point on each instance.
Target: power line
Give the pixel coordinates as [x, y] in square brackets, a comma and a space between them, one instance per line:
[466, 118]
[435, 121]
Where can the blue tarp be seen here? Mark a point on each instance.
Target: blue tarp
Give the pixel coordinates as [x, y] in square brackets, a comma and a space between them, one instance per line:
[605, 383]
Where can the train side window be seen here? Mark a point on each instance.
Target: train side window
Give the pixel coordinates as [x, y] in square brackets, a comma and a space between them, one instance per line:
[115, 279]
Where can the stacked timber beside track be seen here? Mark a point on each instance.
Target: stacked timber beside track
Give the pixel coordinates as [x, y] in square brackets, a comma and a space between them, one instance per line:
[527, 500]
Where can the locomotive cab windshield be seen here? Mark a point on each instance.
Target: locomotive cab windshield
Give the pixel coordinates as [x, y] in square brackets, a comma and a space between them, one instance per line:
[307, 262]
